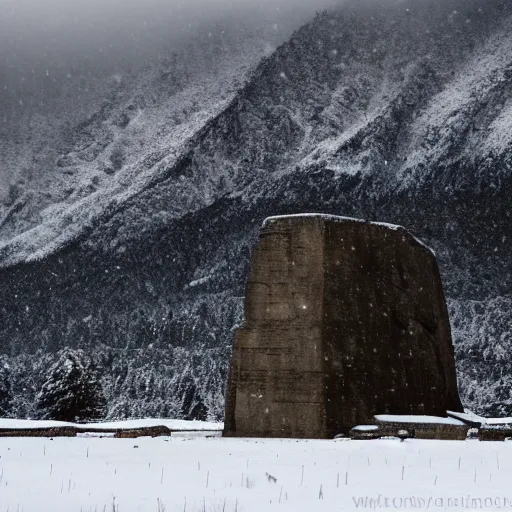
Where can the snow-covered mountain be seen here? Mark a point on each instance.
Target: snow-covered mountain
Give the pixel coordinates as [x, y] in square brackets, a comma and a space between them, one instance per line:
[135, 244]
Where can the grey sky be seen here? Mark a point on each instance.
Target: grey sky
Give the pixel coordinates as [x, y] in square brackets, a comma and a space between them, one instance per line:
[59, 37]
[48, 19]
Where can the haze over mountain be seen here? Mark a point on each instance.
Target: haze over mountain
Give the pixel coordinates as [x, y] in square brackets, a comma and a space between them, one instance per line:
[59, 60]
[127, 224]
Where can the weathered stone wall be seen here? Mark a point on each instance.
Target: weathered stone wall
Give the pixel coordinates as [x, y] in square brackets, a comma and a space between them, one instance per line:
[344, 319]
[438, 431]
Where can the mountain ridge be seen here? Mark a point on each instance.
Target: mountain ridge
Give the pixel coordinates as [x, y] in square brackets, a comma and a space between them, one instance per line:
[370, 118]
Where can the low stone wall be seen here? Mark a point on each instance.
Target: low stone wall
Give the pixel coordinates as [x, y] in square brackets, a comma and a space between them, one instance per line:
[75, 431]
[439, 431]
[365, 433]
[495, 433]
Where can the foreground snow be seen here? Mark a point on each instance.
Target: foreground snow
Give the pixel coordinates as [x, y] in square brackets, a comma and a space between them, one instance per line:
[185, 473]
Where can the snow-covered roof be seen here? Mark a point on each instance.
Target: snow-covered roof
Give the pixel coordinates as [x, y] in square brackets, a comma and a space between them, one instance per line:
[366, 428]
[471, 417]
[390, 418]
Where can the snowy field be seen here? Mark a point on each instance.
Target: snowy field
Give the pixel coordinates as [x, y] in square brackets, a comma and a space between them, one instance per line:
[8, 424]
[197, 473]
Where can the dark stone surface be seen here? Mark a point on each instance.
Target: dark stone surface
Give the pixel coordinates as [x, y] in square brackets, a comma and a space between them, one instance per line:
[344, 319]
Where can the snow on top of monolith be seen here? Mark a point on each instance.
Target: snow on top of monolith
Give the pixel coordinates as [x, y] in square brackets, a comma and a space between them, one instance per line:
[338, 218]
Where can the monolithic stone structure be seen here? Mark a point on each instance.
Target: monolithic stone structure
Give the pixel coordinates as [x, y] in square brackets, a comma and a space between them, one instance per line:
[344, 319]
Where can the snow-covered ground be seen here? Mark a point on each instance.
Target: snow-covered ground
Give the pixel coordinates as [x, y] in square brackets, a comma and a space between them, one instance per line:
[7, 424]
[184, 473]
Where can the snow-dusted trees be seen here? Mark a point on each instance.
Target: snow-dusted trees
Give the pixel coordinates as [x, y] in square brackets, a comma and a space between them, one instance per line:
[5, 388]
[192, 403]
[72, 391]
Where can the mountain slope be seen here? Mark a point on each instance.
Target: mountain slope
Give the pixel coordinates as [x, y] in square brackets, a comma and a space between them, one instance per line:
[95, 140]
[398, 113]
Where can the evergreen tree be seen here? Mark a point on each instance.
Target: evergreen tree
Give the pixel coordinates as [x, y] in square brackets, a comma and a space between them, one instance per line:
[198, 412]
[5, 389]
[72, 391]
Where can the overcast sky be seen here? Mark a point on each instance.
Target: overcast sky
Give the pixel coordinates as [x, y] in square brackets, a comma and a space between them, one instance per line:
[49, 20]
[95, 36]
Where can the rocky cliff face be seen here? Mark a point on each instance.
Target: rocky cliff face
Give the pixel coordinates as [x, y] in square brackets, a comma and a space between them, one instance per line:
[399, 113]
[343, 319]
